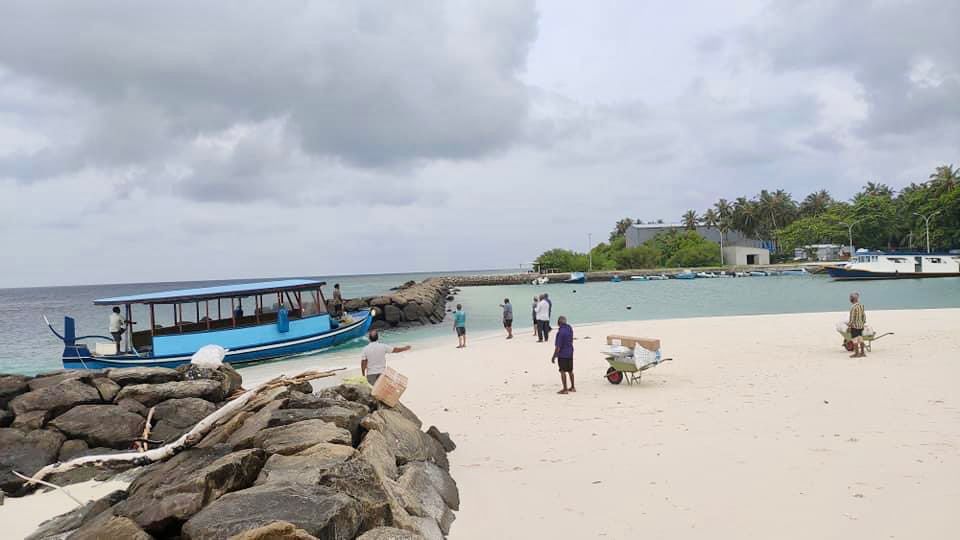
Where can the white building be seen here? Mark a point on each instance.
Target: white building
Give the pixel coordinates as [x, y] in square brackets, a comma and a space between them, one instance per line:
[745, 255]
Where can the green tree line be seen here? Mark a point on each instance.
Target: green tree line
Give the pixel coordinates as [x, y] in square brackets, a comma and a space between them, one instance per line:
[881, 218]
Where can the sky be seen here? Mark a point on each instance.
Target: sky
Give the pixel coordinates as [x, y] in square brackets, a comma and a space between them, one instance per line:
[182, 141]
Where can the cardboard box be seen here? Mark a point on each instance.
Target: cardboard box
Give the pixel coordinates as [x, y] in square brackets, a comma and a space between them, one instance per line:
[650, 344]
[389, 387]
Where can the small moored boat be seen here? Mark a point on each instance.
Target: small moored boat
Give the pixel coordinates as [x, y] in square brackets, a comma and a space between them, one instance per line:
[686, 274]
[295, 322]
[576, 277]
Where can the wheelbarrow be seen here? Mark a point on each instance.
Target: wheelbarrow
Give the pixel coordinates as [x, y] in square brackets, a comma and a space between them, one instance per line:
[869, 336]
[629, 364]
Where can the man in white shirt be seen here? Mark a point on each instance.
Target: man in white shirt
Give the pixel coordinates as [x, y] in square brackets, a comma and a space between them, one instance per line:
[373, 359]
[543, 319]
[116, 327]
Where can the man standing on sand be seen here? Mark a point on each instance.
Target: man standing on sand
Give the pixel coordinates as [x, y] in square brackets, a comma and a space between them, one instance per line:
[533, 313]
[507, 317]
[858, 319]
[543, 319]
[563, 354]
[460, 326]
[373, 359]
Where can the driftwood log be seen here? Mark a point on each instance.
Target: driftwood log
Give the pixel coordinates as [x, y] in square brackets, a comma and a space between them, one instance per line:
[187, 440]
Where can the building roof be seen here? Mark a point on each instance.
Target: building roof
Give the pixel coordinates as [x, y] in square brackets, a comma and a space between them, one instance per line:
[209, 293]
[659, 225]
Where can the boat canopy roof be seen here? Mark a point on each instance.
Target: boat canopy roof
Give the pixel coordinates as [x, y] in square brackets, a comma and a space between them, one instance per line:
[210, 293]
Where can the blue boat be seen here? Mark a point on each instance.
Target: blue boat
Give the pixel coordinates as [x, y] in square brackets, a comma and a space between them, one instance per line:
[615, 279]
[296, 322]
[686, 274]
[576, 277]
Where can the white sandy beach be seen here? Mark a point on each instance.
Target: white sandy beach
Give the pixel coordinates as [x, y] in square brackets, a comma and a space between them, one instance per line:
[761, 427]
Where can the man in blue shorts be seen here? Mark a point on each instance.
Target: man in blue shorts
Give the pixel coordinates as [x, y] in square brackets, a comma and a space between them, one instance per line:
[460, 326]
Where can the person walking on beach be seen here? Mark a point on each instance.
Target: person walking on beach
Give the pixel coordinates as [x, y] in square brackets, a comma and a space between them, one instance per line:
[563, 354]
[460, 326]
[116, 327]
[507, 317]
[533, 313]
[373, 359]
[337, 300]
[858, 319]
[543, 319]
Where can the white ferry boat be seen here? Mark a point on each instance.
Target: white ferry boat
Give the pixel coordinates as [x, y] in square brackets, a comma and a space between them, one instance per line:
[879, 265]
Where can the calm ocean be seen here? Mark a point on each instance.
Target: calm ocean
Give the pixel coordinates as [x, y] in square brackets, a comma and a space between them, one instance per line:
[26, 346]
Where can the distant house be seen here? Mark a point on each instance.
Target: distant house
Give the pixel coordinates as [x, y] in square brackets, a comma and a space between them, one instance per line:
[737, 248]
[819, 252]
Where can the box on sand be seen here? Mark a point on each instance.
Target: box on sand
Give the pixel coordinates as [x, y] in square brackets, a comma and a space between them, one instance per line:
[649, 344]
[389, 387]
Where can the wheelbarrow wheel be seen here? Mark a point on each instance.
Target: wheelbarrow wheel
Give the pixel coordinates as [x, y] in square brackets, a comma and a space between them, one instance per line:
[614, 376]
[848, 345]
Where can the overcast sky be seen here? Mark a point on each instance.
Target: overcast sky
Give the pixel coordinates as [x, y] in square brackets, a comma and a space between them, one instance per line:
[181, 140]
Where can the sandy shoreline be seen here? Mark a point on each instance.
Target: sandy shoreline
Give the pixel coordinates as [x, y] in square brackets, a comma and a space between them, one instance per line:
[761, 427]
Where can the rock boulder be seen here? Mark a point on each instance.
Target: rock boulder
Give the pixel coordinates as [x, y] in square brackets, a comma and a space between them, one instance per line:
[12, 386]
[294, 438]
[107, 388]
[307, 468]
[151, 394]
[318, 510]
[56, 398]
[175, 417]
[100, 425]
[142, 375]
[25, 453]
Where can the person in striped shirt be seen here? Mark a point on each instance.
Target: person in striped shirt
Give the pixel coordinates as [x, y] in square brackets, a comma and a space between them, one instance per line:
[858, 319]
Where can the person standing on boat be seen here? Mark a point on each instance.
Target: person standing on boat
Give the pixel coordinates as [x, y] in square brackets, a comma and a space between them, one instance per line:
[116, 327]
[460, 326]
[563, 354]
[337, 300]
[543, 319]
[373, 359]
[858, 319]
[507, 317]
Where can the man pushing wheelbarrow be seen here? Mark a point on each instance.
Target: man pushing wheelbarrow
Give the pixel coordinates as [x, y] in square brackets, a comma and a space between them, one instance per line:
[857, 336]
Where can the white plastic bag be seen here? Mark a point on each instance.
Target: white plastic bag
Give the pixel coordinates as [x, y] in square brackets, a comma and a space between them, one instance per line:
[842, 327]
[208, 356]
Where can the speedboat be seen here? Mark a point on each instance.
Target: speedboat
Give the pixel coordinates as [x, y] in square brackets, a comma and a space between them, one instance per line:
[878, 265]
[639, 278]
[706, 275]
[287, 317]
[686, 274]
[658, 277]
[758, 273]
[543, 280]
[576, 277]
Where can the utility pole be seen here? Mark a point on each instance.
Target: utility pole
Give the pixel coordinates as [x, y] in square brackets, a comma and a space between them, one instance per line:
[926, 224]
[850, 232]
[590, 252]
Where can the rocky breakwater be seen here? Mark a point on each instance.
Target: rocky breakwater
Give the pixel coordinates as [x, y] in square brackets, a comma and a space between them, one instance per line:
[410, 304]
[289, 464]
[66, 414]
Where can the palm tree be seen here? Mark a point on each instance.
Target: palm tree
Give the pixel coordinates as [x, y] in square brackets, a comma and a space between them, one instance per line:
[946, 173]
[816, 203]
[723, 209]
[689, 219]
[710, 219]
[744, 216]
[877, 189]
[621, 228]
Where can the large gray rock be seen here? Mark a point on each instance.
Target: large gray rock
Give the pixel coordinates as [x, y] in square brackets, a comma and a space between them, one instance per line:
[392, 314]
[25, 453]
[405, 412]
[171, 494]
[56, 398]
[352, 392]
[107, 388]
[294, 438]
[107, 526]
[345, 417]
[12, 386]
[318, 510]
[389, 533]
[100, 425]
[422, 499]
[443, 438]
[358, 479]
[228, 377]
[440, 479]
[31, 420]
[307, 468]
[242, 436]
[133, 406]
[72, 448]
[54, 378]
[406, 441]
[151, 394]
[175, 417]
[299, 400]
[59, 527]
[221, 432]
[142, 375]
[375, 449]
[278, 530]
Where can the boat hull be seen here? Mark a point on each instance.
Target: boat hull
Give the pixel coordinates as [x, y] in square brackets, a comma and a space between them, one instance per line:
[846, 274]
[78, 356]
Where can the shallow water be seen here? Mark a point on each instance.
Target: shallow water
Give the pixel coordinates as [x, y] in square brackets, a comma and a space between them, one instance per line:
[26, 346]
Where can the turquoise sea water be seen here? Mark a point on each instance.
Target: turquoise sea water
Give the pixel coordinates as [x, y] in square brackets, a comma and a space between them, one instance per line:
[27, 347]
